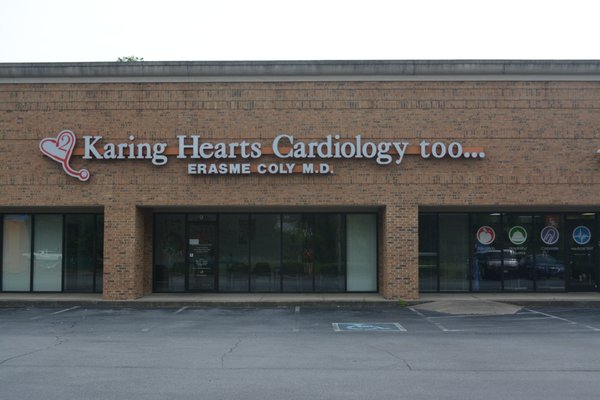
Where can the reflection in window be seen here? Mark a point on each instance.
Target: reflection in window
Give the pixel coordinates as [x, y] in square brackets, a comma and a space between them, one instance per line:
[329, 234]
[47, 253]
[298, 252]
[547, 265]
[454, 252]
[487, 258]
[234, 252]
[265, 250]
[428, 256]
[80, 232]
[16, 252]
[518, 251]
[361, 250]
[169, 253]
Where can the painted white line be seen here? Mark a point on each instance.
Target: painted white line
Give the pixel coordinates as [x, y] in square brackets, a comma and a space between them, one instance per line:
[37, 317]
[564, 320]
[400, 327]
[296, 312]
[417, 312]
[65, 310]
[181, 309]
[437, 324]
[336, 327]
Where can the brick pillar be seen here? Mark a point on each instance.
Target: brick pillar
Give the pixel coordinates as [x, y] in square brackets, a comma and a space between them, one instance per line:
[400, 253]
[123, 252]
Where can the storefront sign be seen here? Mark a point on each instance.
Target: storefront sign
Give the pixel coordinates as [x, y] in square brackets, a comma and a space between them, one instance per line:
[517, 235]
[295, 156]
[582, 235]
[486, 235]
[549, 235]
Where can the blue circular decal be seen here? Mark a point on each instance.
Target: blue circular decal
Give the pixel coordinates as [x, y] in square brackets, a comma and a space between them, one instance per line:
[582, 235]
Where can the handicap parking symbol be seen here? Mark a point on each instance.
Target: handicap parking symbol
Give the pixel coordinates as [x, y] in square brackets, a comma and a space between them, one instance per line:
[368, 327]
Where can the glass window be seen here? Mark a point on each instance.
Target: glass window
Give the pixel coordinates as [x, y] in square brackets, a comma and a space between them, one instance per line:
[16, 252]
[169, 253]
[234, 252]
[298, 252]
[361, 252]
[47, 253]
[548, 263]
[454, 252]
[581, 251]
[99, 252]
[487, 257]
[80, 260]
[518, 252]
[428, 256]
[265, 252]
[330, 254]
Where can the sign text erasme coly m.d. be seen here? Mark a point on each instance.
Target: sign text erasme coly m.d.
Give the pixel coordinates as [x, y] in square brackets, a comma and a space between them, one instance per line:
[284, 146]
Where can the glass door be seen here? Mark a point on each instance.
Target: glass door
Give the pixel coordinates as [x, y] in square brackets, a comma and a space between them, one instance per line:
[202, 256]
[581, 251]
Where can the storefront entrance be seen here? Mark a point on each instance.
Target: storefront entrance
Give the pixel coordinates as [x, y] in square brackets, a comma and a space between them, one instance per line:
[202, 256]
[265, 252]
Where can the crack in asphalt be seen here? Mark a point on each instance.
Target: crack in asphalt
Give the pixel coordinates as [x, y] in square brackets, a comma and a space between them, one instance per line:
[58, 340]
[392, 355]
[231, 350]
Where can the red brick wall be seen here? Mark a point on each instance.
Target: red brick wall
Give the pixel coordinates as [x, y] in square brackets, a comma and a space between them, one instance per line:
[540, 139]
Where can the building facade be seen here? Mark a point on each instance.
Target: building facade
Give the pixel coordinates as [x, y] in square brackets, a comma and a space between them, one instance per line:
[395, 177]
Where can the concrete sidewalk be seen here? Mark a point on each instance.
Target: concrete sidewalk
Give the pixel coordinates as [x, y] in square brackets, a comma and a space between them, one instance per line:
[172, 300]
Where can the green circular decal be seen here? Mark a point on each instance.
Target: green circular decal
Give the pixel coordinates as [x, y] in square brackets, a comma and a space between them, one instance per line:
[517, 235]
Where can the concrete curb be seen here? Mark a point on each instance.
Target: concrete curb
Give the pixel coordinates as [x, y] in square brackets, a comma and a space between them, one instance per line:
[136, 304]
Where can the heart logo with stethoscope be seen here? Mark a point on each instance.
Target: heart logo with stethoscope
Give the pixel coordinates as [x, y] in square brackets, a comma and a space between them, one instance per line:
[60, 149]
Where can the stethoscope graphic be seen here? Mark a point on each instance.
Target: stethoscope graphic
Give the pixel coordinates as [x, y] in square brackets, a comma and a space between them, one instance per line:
[60, 149]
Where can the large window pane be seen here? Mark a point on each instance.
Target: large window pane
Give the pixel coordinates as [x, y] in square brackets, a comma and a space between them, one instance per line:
[518, 252]
[234, 252]
[47, 253]
[581, 241]
[329, 241]
[80, 258]
[99, 252]
[169, 253]
[428, 257]
[298, 252]
[548, 264]
[487, 258]
[361, 252]
[16, 252]
[454, 252]
[265, 252]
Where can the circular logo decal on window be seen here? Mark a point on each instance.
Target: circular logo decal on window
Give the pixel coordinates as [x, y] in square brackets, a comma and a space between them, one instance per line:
[517, 235]
[582, 235]
[486, 235]
[549, 235]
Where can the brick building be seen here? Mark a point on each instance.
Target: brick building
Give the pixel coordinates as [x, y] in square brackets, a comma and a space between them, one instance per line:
[375, 176]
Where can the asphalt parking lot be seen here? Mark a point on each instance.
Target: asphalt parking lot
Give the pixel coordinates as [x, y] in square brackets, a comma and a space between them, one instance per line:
[298, 353]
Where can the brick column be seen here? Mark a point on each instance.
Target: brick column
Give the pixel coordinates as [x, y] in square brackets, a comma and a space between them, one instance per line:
[400, 253]
[123, 252]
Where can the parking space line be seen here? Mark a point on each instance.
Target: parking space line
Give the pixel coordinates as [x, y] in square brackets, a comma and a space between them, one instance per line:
[181, 310]
[563, 319]
[429, 319]
[65, 310]
[296, 312]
